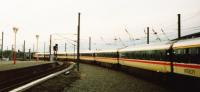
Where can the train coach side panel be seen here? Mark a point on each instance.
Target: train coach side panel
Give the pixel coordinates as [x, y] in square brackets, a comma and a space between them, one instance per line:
[87, 58]
[187, 69]
[71, 57]
[158, 66]
[107, 60]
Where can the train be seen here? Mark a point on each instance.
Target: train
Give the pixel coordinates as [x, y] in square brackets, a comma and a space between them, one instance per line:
[177, 57]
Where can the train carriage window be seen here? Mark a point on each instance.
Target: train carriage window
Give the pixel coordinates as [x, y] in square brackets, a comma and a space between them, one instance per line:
[198, 56]
[194, 55]
[122, 55]
[127, 55]
[193, 51]
[165, 52]
[187, 56]
[198, 51]
[144, 55]
[157, 55]
[107, 54]
[183, 55]
[131, 55]
[138, 55]
[148, 55]
[141, 55]
[161, 55]
[178, 55]
[151, 55]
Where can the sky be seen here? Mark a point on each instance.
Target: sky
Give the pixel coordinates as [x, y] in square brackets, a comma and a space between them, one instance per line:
[103, 20]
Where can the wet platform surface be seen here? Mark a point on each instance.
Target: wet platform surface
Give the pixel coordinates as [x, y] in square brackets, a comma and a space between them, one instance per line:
[8, 65]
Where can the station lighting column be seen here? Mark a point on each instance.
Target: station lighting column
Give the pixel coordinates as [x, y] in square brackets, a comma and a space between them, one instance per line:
[37, 37]
[14, 54]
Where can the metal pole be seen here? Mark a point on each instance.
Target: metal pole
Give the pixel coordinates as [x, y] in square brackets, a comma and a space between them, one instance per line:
[44, 51]
[33, 48]
[65, 47]
[24, 51]
[2, 47]
[147, 35]
[74, 51]
[179, 26]
[29, 50]
[12, 56]
[89, 43]
[15, 50]
[50, 48]
[78, 41]
[37, 37]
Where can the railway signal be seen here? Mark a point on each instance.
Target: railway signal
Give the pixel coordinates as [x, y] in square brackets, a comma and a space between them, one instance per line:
[55, 48]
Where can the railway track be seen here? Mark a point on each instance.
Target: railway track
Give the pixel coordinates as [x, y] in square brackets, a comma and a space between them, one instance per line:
[11, 82]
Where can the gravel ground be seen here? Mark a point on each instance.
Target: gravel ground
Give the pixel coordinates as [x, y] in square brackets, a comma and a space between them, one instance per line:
[98, 79]
[56, 84]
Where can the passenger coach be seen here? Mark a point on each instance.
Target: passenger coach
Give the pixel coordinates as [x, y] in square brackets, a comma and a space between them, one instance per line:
[154, 57]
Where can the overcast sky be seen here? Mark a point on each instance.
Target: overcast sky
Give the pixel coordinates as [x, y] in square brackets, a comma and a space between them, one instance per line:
[105, 19]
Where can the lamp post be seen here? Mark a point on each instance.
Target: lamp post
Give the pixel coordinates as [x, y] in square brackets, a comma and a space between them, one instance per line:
[37, 37]
[15, 29]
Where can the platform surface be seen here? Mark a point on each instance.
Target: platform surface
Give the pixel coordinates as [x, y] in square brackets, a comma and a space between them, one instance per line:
[8, 65]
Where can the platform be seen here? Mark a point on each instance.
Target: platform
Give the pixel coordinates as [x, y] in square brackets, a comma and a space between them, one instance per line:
[8, 65]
